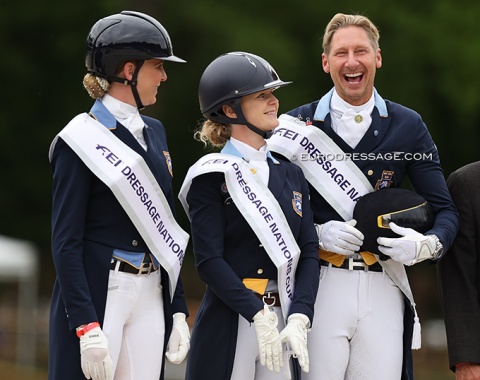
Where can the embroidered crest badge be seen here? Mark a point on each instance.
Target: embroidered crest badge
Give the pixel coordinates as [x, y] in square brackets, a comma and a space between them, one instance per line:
[297, 202]
[385, 180]
[168, 160]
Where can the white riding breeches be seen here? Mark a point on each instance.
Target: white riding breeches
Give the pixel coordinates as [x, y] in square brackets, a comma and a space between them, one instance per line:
[357, 330]
[134, 325]
[247, 364]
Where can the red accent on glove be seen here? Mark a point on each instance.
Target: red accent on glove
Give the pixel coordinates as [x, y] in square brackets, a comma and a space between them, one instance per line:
[82, 330]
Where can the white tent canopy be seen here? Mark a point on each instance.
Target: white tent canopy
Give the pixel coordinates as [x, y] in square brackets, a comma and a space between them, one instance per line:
[19, 262]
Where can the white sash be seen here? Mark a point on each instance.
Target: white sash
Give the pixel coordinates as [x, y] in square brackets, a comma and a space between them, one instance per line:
[260, 209]
[135, 187]
[336, 178]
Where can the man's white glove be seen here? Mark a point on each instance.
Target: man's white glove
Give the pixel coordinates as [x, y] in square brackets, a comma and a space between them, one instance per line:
[269, 343]
[295, 334]
[179, 342]
[95, 356]
[410, 249]
[339, 237]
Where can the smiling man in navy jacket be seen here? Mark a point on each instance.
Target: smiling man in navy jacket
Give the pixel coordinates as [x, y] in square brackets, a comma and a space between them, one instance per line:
[349, 143]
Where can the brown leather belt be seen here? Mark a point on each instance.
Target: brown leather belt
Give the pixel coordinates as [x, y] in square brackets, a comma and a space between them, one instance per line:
[145, 268]
[269, 298]
[355, 264]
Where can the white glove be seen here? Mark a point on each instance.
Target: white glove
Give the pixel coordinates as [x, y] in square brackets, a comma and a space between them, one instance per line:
[269, 343]
[95, 356]
[295, 334]
[410, 249]
[179, 342]
[339, 237]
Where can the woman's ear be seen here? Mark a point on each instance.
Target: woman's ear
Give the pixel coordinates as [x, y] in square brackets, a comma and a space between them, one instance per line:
[128, 70]
[229, 112]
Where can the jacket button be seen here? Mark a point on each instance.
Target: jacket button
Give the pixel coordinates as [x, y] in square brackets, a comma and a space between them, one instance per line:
[134, 243]
[260, 271]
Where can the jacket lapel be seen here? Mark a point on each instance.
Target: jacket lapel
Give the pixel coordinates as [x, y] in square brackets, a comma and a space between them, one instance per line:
[276, 182]
[156, 160]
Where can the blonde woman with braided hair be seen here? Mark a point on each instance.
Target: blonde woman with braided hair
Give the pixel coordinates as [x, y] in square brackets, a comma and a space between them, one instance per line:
[117, 307]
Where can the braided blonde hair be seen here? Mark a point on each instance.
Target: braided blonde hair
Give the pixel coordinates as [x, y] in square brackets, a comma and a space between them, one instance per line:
[96, 87]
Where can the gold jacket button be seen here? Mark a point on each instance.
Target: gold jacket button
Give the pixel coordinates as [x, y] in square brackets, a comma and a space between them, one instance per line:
[260, 271]
[134, 243]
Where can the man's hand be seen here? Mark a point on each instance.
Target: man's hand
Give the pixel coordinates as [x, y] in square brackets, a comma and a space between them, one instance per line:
[95, 356]
[179, 342]
[339, 237]
[411, 248]
[467, 371]
[295, 334]
[269, 343]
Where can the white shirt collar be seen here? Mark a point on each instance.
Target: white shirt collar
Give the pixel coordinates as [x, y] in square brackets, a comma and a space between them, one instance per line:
[127, 115]
[340, 106]
[248, 152]
[117, 108]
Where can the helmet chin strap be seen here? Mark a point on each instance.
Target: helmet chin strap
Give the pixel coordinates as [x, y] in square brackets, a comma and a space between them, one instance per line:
[133, 84]
[242, 120]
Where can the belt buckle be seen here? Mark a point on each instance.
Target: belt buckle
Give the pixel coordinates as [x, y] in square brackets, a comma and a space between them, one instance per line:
[352, 264]
[269, 296]
[145, 268]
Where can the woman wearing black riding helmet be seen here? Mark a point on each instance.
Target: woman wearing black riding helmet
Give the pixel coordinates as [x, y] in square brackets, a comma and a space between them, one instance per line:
[115, 301]
[253, 237]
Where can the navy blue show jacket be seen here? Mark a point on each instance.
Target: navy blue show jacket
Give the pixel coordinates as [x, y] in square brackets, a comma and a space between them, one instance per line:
[400, 130]
[88, 223]
[227, 250]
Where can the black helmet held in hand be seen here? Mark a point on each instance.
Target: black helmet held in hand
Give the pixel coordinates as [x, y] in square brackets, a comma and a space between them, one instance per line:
[228, 78]
[374, 211]
[126, 36]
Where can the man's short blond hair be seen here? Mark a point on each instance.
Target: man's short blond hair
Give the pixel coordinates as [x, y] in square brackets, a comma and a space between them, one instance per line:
[341, 20]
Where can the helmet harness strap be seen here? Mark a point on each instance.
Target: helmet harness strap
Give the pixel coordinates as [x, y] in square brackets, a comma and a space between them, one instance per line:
[132, 83]
[237, 107]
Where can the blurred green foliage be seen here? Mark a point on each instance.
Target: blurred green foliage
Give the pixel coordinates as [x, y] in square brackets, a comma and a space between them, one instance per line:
[429, 49]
